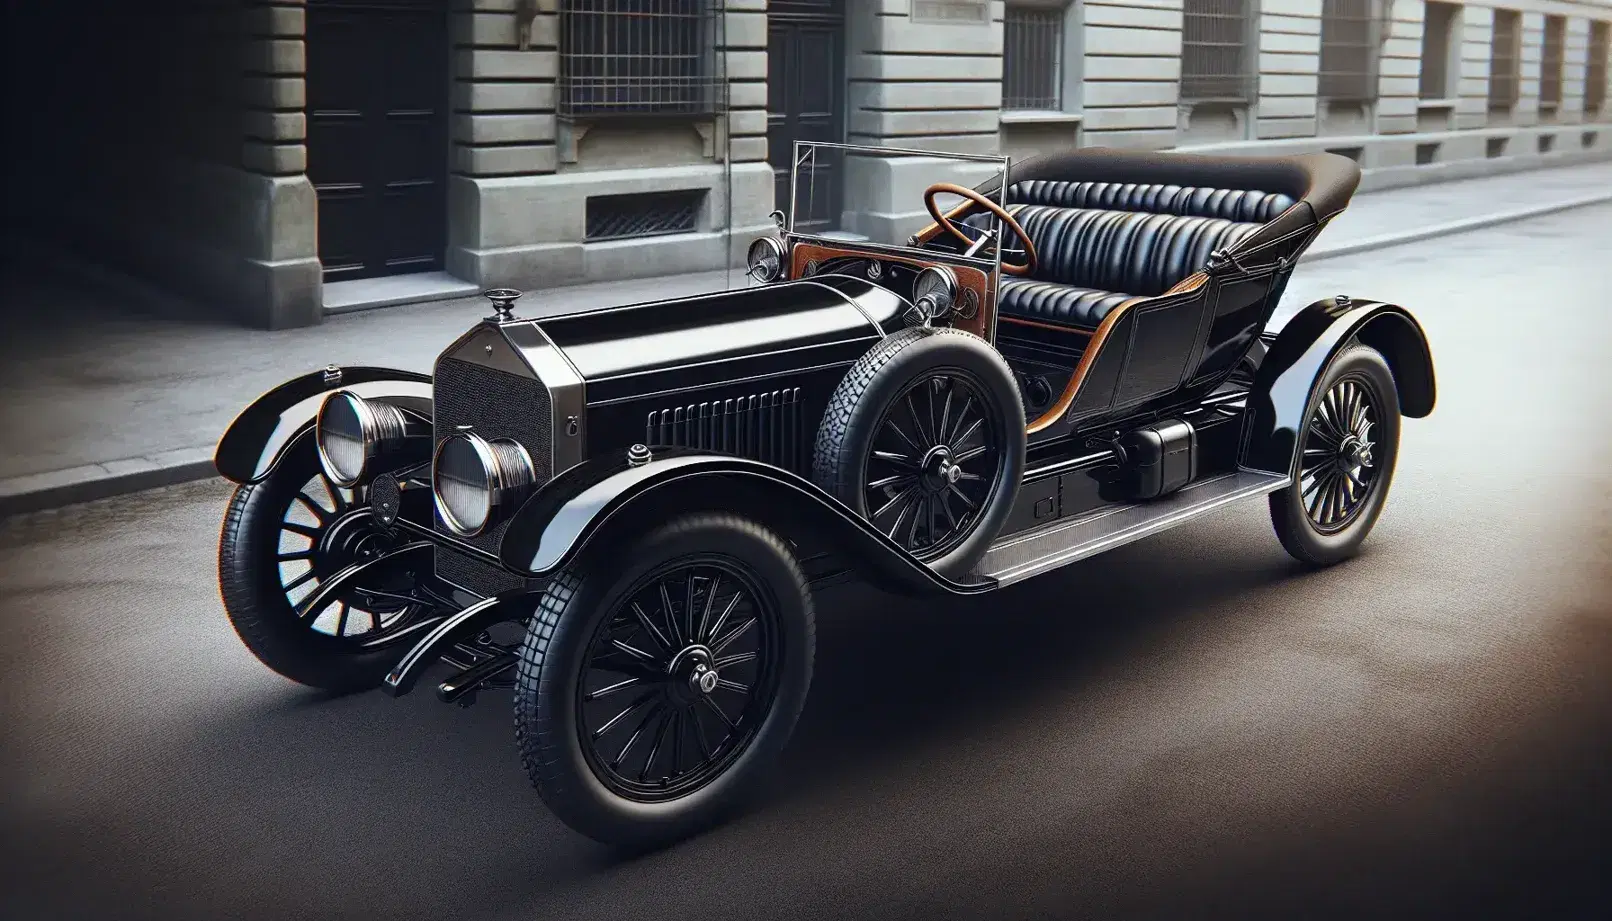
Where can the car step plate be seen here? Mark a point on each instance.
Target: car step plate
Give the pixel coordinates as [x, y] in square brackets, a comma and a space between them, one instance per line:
[1063, 542]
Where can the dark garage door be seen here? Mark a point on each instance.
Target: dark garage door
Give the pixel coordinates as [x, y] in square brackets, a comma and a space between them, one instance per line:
[805, 93]
[377, 134]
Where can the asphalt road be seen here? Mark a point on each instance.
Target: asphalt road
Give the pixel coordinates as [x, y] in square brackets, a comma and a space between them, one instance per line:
[1191, 726]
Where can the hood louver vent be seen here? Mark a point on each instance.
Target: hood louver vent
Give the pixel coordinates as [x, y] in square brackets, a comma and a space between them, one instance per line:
[766, 426]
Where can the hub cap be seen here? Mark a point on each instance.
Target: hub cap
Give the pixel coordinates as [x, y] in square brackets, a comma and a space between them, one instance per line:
[678, 680]
[934, 464]
[1337, 472]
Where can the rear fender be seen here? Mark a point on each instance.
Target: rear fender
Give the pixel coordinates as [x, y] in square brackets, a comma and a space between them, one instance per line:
[255, 442]
[1279, 401]
[600, 503]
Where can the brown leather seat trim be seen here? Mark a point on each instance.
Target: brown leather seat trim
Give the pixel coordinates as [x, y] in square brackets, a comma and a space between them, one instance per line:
[1055, 327]
[1072, 389]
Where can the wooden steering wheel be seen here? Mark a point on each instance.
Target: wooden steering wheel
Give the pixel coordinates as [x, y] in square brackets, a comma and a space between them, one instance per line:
[1024, 268]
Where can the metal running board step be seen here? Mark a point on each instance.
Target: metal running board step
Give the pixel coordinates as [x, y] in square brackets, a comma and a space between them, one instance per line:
[1063, 542]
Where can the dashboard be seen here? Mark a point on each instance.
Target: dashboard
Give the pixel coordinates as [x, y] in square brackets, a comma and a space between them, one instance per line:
[975, 305]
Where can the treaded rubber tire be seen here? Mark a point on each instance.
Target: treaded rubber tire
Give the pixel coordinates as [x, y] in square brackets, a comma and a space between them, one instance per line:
[1299, 537]
[568, 616]
[257, 606]
[844, 438]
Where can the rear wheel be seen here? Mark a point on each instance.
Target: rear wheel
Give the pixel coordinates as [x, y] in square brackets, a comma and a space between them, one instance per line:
[1347, 453]
[658, 684]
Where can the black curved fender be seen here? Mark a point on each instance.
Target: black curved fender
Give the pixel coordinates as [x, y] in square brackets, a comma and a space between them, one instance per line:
[257, 439]
[555, 525]
[1280, 399]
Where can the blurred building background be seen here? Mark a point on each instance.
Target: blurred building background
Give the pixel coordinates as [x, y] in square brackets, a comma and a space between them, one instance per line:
[286, 158]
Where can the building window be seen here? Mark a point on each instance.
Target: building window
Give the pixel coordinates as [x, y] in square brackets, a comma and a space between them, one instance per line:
[1505, 60]
[1595, 68]
[1032, 56]
[1550, 62]
[1216, 41]
[636, 57]
[1441, 50]
[1348, 50]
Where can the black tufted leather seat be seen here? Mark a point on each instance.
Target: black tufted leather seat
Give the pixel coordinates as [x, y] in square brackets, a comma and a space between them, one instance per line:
[1100, 244]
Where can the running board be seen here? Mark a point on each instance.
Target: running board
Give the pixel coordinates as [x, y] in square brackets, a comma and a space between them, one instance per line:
[1063, 542]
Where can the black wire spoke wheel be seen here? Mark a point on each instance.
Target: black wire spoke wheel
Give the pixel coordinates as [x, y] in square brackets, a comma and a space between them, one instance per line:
[678, 679]
[326, 528]
[934, 463]
[1338, 469]
[1347, 449]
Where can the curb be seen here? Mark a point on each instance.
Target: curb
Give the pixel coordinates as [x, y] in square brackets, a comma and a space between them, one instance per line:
[40, 491]
[1383, 241]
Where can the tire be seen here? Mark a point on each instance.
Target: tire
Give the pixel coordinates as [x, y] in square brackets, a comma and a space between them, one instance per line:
[254, 588]
[565, 651]
[904, 376]
[1310, 530]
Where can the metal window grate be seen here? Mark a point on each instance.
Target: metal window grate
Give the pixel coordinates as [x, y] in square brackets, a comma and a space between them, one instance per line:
[1349, 50]
[1505, 60]
[616, 217]
[1595, 68]
[635, 57]
[1550, 62]
[1032, 57]
[1216, 40]
[1437, 27]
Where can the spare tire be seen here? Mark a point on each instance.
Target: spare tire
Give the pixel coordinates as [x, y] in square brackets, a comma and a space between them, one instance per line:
[925, 439]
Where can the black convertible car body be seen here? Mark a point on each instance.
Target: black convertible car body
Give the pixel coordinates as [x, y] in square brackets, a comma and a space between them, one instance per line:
[621, 513]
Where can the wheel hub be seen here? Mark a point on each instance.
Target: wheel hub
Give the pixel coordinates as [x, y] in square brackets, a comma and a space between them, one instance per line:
[940, 471]
[692, 673]
[1354, 453]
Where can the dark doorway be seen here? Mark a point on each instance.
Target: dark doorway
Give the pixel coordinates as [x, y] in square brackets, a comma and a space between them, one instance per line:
[378, 134]
[806, 100]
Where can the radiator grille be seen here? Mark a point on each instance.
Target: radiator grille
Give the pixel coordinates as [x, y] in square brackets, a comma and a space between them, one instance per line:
[767, 427]
[497, 405]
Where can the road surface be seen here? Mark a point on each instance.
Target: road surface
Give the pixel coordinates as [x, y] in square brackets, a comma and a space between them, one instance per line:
[1191, 726]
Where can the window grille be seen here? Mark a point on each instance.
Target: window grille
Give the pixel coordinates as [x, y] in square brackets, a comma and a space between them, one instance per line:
[1550, 62]
[1437, 27]
[651, 214]
[1032, 57]
[1215, 50]
[1348, 50]
[1505, 60]
[635, 57]
[1595, 68]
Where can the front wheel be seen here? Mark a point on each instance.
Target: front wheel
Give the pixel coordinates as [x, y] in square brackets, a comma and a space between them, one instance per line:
[1347, 452]
[658, 683]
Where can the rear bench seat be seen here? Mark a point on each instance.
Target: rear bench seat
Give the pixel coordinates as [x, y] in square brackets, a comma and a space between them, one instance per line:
[1100, 244]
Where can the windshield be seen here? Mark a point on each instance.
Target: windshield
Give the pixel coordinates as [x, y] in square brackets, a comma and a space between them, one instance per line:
[876, 194]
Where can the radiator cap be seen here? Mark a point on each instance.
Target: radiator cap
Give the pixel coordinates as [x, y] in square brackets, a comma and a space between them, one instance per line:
[638, 455]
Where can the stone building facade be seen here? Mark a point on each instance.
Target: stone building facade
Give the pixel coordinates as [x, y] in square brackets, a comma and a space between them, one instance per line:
[287, 158]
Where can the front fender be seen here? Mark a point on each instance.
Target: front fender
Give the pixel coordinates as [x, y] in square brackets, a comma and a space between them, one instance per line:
[254, 443]
[1279, 401]
[598, 498]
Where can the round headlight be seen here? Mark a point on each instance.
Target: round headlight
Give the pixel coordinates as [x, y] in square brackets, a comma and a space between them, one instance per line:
[351, 431]
[934, 291]
[473, 478]
[765, 260]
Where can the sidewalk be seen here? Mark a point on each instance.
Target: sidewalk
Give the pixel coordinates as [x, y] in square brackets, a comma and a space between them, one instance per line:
[100, 402]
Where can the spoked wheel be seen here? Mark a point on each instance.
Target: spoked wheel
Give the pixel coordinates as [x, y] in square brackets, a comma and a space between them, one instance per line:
[1346, 460]
[924, 437]
[934, 462]
[650, 700]
[282, 540]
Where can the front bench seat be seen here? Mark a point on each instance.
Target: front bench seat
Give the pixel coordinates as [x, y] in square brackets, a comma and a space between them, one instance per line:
[1102, 244]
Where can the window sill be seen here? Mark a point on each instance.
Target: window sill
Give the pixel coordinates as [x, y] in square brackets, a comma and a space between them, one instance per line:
[1040, 117]
[1441, 105]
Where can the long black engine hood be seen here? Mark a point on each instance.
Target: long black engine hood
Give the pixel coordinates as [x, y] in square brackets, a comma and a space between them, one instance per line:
[625, 353]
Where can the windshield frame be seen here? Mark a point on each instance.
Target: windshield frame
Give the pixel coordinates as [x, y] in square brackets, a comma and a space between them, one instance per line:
[993, 265]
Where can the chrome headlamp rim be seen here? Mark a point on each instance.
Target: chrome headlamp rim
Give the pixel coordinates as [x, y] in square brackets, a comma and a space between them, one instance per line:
[499, 484]
[762, 250]
[368, 433]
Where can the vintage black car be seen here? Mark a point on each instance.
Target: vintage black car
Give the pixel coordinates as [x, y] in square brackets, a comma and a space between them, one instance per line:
[621, 514]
